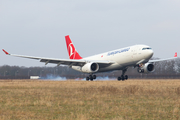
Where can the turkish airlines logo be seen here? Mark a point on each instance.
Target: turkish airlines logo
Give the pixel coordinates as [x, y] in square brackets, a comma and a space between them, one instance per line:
[71, 51]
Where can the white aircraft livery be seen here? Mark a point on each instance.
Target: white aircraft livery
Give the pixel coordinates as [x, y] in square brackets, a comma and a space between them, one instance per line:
[138, 56]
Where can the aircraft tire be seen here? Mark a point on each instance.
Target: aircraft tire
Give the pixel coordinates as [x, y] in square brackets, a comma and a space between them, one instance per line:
[94, 76]
[122, 77]
[119, 78]
[87, 78]
[126, 77]
[91, 77]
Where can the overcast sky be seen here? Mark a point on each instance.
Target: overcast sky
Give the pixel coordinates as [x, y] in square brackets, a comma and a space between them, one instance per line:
[38, 27]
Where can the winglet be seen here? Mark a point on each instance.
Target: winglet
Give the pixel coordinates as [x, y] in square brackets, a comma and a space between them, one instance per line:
[5, 52]
[175, 54]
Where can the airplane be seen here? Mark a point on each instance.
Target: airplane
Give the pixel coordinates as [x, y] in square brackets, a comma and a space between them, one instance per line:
[121, 59]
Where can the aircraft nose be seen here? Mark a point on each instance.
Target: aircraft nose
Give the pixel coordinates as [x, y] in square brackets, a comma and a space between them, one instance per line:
[151, 53]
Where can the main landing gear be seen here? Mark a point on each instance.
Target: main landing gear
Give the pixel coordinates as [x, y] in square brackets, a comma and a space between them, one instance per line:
[123, 77]
[91, 77]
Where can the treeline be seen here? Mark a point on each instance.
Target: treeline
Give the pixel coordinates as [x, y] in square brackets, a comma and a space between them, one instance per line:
[165, 69]
[16, 72]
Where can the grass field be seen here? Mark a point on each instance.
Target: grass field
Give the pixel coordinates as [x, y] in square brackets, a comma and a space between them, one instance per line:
[85, 100]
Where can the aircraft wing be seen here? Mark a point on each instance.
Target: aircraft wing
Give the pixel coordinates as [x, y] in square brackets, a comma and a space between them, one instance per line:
[68, 62]
[159, 60]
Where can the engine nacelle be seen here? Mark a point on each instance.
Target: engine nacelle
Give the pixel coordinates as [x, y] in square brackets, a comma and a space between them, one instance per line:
[90, 68]
[146, 68]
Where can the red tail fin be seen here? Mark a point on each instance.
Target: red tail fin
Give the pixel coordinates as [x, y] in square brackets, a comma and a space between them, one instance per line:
[73, 54]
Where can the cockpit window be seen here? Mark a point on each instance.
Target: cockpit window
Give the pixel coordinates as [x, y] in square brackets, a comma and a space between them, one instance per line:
[146, 48]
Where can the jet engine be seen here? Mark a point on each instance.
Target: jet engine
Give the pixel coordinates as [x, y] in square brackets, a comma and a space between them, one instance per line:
[90, 68]
[146, 68]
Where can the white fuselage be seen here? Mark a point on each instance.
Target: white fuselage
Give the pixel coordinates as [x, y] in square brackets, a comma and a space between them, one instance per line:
[122, 58]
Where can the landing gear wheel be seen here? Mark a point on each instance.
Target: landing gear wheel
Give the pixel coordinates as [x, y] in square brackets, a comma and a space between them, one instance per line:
[140, 70]
[94, 76]
[126, 77]
[122, 77]
[91, 77]
[119, 78]
[87, 78]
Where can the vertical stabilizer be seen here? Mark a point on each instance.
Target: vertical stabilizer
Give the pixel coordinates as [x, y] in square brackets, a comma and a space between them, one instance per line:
[73, 54]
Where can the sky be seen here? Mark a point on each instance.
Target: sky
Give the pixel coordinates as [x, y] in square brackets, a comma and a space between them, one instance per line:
[38, 27]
